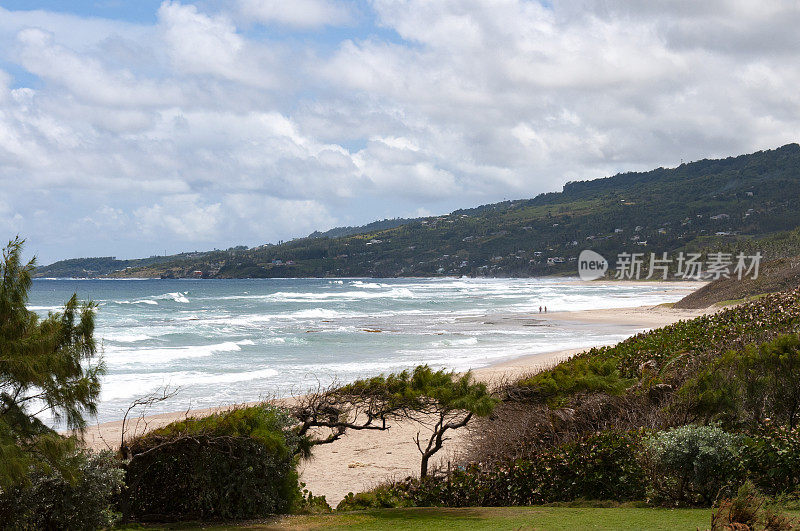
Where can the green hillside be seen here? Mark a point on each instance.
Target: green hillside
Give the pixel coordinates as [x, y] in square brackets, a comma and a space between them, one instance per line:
[726, 204]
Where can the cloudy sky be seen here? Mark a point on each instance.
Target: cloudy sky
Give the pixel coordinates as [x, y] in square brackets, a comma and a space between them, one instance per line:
[133, 128]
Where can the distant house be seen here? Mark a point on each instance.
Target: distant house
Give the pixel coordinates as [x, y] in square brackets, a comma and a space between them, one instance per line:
[662, 230]
[197, 274]
[617, 231]
[749, 194]
[720, 216]
[638, 228]
[643, 242]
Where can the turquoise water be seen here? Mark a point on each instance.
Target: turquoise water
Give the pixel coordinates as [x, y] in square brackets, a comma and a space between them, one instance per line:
[226, 341]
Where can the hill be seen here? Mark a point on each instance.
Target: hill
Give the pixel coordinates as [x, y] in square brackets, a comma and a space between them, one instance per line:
[733, 203]
[774, 276]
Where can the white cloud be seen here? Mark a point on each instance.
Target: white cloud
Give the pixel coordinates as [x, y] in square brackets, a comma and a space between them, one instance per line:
[303, 14]
[229, 126]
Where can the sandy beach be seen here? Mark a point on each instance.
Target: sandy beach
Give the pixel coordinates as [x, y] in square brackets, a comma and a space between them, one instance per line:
[363, 459]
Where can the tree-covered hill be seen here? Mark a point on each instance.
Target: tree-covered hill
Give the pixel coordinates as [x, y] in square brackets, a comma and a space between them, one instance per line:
[747, 202]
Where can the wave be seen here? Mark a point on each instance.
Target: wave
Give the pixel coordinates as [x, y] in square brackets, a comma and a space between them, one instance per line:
[285, 340]
[117, 387]
[298, 296]
[176, 296]
[456, 342]
[127, 356]
[45, 308]
[123, 337]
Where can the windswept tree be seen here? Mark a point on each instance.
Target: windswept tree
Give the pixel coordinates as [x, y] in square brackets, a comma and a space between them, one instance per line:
[43, 372]
[440, 400]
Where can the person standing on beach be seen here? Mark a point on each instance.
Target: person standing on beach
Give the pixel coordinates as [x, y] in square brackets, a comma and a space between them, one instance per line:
[545, 309]
[540, 309]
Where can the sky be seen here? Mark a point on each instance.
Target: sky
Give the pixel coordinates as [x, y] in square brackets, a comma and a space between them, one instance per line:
[134, 128]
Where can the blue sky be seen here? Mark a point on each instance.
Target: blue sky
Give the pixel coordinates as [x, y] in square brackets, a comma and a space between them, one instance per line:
[130, 128]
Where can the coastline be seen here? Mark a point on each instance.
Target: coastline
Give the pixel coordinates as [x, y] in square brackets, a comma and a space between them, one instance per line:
[361, 460]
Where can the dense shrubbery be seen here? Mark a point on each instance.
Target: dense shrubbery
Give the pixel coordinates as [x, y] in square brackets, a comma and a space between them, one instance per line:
[602, 466]
[693, 464]
[585, 374]
[771, 457]
[670, 355]
[49, 501]
[750, 510]
[237, 464]
[745, 388]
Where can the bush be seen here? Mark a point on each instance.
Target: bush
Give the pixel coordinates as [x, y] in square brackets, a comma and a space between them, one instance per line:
[748, 386]
[48, 501]
[772, 459]
[750, 510]
[236, 464]
[601, 466]
[580, 374]
[693, 464]
[310, 504]
[382, 497]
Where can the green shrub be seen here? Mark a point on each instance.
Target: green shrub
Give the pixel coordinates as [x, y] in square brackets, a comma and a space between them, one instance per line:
[601, 466]
[310, 504]
[771, 457]
[749, 509]
[236, 464]
[581, 374]
[382, 497]
[693, 464]
[48, 501]
[747, 386]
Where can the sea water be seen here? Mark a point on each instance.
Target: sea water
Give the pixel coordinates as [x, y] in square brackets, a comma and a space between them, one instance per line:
[232, 341]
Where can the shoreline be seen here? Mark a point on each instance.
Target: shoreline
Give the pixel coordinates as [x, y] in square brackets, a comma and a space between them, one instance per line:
[362, 459]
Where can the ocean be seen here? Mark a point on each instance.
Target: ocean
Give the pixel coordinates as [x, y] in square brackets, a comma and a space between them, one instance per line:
[231, 341]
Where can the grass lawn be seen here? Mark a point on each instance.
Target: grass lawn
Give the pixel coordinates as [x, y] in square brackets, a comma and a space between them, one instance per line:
[529, 518]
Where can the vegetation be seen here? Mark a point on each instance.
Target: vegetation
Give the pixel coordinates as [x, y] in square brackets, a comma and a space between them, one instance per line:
[439, 399]
[692, 464]
[49, 501]
[748, 509]
[750, 387]
[42, 370]
[748, 203]
[597, 467]
[236, 464]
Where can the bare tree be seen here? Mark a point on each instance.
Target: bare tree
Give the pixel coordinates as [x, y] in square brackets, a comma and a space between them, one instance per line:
[143, 404]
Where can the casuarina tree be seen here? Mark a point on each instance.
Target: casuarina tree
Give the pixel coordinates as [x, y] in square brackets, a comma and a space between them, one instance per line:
[44, 372]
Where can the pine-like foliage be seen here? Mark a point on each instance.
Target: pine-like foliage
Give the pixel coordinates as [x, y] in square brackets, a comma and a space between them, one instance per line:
[43, 369]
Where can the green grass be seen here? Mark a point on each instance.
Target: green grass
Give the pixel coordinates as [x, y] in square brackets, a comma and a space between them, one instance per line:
[527, 518]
